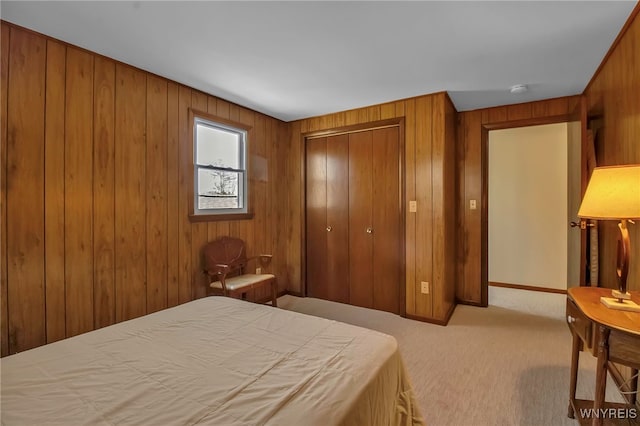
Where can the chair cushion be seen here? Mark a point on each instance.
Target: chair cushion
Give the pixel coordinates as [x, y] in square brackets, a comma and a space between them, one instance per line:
[240, 281]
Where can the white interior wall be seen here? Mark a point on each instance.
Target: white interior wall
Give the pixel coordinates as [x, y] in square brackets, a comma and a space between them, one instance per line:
[528, 206]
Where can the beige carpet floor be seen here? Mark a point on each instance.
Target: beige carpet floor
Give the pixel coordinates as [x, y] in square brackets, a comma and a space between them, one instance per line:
[489, 366]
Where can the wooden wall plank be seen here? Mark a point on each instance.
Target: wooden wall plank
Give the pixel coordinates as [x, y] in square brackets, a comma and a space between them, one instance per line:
[387, 111]
[289, 244]
[258, 181]
[78, 189]
[156, 193]
[184, 226]
[259, 176]
[245, 227]
[54, 167]
[104, 284]
[497, 114]
[551, 107]
[519, 111]
[130, 188]
[472, 248]
[4, 83]
[293, 226]
[25, 191]
[613, 94]
[374, 113]
[270, 192]
[173, 197]
[410, 195]
[199, 230]
[424, 215]
[450, 207]
[438, 198]
[400, 109]
[461, 152]
[106, 235]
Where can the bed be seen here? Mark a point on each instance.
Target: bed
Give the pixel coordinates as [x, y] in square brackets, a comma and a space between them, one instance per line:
[216, 361]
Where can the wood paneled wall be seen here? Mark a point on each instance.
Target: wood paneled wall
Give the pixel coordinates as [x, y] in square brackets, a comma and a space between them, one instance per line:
[95, 163]
[470, 164]
[429, 173]
[614, 94]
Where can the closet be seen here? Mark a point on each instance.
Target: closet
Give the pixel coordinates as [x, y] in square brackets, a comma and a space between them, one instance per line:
[354, 234]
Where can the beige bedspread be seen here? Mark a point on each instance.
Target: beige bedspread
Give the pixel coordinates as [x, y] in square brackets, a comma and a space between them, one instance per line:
[215, 361]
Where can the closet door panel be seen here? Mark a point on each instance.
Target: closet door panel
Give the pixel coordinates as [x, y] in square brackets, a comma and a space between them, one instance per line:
[338, 218]
[360, 219]
[316, 210]
[386, 220]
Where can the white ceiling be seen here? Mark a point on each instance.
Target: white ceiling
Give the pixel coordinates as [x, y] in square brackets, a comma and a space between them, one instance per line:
[293, 60]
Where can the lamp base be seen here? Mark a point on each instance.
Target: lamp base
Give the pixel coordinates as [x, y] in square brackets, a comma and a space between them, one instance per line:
[625, 305]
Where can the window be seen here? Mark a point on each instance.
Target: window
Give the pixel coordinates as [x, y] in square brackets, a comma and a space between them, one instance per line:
[220, 168]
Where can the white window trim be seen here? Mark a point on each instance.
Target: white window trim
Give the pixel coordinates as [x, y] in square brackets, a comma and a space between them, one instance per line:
[244, 212]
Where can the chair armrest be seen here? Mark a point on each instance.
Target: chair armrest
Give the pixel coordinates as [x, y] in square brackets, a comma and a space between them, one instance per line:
[222, 269]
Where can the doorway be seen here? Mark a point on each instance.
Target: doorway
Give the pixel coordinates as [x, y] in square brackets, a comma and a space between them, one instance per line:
[533, 194]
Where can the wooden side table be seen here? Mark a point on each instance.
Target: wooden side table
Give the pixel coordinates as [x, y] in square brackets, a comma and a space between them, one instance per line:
[613, 336]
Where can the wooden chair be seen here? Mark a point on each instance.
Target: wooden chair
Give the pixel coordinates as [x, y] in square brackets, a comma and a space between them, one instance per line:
[225, 262]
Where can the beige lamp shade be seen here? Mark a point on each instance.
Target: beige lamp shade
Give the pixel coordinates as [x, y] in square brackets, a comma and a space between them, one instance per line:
[612, 193]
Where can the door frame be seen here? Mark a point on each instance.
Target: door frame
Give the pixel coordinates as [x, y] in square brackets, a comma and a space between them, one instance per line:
[484, 193]
[360, 127]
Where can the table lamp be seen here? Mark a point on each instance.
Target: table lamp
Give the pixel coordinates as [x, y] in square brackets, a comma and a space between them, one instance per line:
[613, 193]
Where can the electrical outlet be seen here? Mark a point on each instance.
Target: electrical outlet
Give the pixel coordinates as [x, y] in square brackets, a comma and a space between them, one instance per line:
[472, 204]
[258, 271]
[424, 288]
[413, 206]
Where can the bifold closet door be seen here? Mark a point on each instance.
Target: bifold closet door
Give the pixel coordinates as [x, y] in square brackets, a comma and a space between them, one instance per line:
[338, 218]
[387, 224]
[374, 219]
[327, 222]
[361, 219]
[316, 210]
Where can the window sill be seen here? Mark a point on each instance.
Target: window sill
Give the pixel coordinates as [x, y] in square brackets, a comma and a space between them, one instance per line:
[194, 218]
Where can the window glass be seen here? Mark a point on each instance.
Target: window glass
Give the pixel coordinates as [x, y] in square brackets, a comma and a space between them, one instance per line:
[220, 177]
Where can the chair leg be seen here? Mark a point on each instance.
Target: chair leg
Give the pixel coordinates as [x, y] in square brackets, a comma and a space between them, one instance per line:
[274, 293]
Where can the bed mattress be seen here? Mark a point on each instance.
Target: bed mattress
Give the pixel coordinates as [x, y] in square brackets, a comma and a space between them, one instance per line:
[217, 361]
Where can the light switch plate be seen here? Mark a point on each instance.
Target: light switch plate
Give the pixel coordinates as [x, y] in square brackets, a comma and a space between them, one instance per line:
[472, 204]
[413, 206]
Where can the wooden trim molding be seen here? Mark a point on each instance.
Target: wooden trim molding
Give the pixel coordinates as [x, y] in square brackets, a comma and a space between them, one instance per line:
[537, 121]
[362, 127]
[442, 322]
[528, 287]
[487, 126]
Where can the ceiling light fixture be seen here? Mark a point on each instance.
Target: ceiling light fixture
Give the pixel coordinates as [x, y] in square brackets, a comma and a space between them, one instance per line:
[518, 88]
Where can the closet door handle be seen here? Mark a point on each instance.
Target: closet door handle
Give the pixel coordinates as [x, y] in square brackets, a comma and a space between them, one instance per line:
[329, 229]
[369, 230]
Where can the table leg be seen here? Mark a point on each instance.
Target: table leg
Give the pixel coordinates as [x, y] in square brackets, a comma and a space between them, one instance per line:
[601, 374]
[633, 386]
[575, 355]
